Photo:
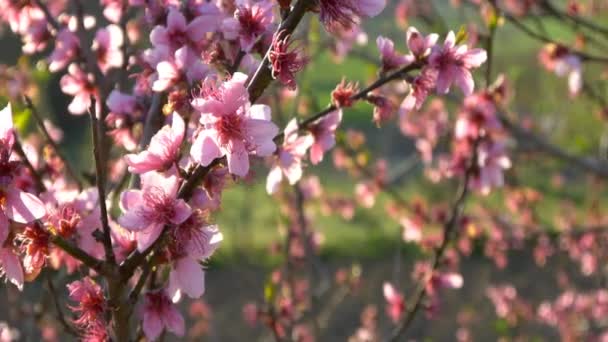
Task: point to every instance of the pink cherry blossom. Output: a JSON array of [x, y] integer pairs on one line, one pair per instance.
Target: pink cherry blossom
[[80, 85], [324, 134], [160, 313], [147, 211], [193, 241], [251, 20], [285, 63], [419, 45], [419, 91], [66, 49], [454, 63], [343, 13], [288, 162], [492, 160], [179, 33], [395, 302], [163, 150], [231, 126], [107, 46], [185, 67], [391, 59]]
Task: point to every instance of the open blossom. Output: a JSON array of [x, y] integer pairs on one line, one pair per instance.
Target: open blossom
[[192, 242], [288, 162], [395, 302], [163, 150], [231, 126], [107, 46], [15, 204], [178, 33], [123, 115], [90, 306], [147, 211], [454, 63], [185, 67], [492, 161], [419, 91], [285, 63], [324, 134], [391, 59], [419, 45], [336, 14], [251, 20], [160, 313], [562, 62], [80, 85], [66, 49]]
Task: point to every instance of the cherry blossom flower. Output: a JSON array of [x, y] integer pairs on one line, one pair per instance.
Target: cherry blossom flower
[[80, 85], [285, 63], [147, 211], [66, 49], [288, 162], [324, 134], [15, 204], [90, 305], [185, 67], [395, 302], [342, 95], [419, 45], [419, 91], [107, 46], [391, 59], [163, 150], [122, 117], [231, 126], [160, 313], [251, 20], [453, 64], [336, 14], [492, 161], [562, 62], [178, 33], [193, 241]]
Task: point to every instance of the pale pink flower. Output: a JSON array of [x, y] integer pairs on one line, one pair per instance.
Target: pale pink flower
[[163, 150], [419, 91], [395, 302], [147, 211], [231, 126], [454, 63], [492, 160], [477, 117], [66, 49], [10, 266], [391, 59], [251, 21], [160, 313], [178, 33], [185, 67], [324, 134], [15, 204], [193, 241], [107, 47], [288, 162], [113, 10], [335, 14], [419, 45], [80, 85]]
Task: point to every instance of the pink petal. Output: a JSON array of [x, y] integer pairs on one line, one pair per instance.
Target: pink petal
[[4, 228], [136, 219], [6, 126], [146, 238], [23, 207], [199, 27], [191, 277], [465, 82], [176, 20], [80, 104], [143, 162], [182, 212], [152, 325], [174, 321], [371, 8], [238, 159], [204, 150], [129, 199], [274, 179], [12, 267]]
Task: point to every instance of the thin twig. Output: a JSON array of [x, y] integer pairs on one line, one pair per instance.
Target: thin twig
[[68, 166], [40, 187]]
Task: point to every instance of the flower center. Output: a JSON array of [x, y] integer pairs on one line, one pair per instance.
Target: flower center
[[229, 128]]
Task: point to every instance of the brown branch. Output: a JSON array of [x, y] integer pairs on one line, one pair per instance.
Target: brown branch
[[594, 166], [99, 179], [448, 230], [68, 166], [574, 18], [93, 263]]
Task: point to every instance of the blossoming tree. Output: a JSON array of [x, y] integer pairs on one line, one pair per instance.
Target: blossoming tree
[[186, 99]]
